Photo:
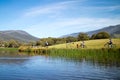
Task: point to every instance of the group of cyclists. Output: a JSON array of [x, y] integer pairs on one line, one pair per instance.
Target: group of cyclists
[[82, 44], [109, 44]]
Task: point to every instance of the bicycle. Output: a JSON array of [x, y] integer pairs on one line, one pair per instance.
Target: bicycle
[[107, 45], [83, 46]]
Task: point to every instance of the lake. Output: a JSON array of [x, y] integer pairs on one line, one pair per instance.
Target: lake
[[25, 66]]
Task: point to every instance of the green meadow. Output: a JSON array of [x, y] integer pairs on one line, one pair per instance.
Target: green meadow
[[91, 44]]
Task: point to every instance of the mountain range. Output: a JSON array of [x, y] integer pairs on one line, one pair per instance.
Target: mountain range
[[18, 35], [114, 31], [23, 36]]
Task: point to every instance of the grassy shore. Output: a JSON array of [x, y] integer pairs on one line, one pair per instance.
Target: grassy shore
[[10, 49], [95, 51], [91, 45]]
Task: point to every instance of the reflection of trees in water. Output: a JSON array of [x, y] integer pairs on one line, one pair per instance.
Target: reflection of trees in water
[[12, 60], [7, 53], [13, 57], [106, 58], [106, 62], [103, 63]]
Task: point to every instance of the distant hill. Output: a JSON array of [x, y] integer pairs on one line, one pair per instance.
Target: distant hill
[[114, 31], [18, 35]]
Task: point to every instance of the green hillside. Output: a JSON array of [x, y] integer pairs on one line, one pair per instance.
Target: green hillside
[[17, 35], [114, 31], [91, 44]]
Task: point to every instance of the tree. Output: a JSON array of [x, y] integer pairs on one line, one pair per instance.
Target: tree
[[50, 41], [6, 44], [71, 39], [13, 43], [93, 36], [32, 43], [83, 36], [37, 43], [102, 35]]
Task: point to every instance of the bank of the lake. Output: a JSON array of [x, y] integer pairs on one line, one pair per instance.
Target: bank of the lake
[[90, 44], [9, 49], [111, 56]]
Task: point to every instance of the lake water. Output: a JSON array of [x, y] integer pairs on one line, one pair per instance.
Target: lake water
[[17, 66]]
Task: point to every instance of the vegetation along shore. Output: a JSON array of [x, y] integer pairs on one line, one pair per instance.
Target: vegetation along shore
[[91, 45]]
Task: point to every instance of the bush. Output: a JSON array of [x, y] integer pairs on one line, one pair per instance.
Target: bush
[[83, 36], [100, 35], [71, 39]]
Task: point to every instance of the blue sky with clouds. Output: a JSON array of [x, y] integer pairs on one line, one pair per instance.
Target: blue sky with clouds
[[54, 18]]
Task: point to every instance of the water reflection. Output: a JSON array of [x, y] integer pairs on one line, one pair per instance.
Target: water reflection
[[30, 66], [13, 57]]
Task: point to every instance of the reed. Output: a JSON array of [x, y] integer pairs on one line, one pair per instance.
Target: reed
[[32, 49], [106, 56], [103, 56]]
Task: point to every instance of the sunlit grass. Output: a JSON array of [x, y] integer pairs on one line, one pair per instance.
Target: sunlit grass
[[91, 44], [9, 49]]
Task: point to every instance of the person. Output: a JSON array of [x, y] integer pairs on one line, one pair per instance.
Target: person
[[46, 44], [110, 43], [77, 45], [83, 44]]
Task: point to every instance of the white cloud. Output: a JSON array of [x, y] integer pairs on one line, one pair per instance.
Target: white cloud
[[66, 26], [106, 8], [49, 9], [39, 25]]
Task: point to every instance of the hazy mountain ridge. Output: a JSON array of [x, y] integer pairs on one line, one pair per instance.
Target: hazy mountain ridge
[[112, 30], [18, 35], [23, 36]]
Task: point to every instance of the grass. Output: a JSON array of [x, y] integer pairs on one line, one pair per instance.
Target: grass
[[94, 52], [91, 44], [10, 49]]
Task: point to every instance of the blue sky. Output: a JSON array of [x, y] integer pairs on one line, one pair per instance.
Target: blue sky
[[54, 18]]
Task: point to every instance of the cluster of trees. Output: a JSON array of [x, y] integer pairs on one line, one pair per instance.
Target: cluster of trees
[[53, 41], [81, 37], [11, 43], [100, 35]]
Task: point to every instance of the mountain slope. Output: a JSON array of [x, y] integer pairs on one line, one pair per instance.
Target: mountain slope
[[112, 30], [18, 35]]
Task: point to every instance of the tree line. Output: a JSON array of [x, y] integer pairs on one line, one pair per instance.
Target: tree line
[[80, 37], [53, 41]]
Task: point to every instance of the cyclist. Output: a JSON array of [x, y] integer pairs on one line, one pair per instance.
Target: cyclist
[[110, 43], [83, 44], [46, 44]]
